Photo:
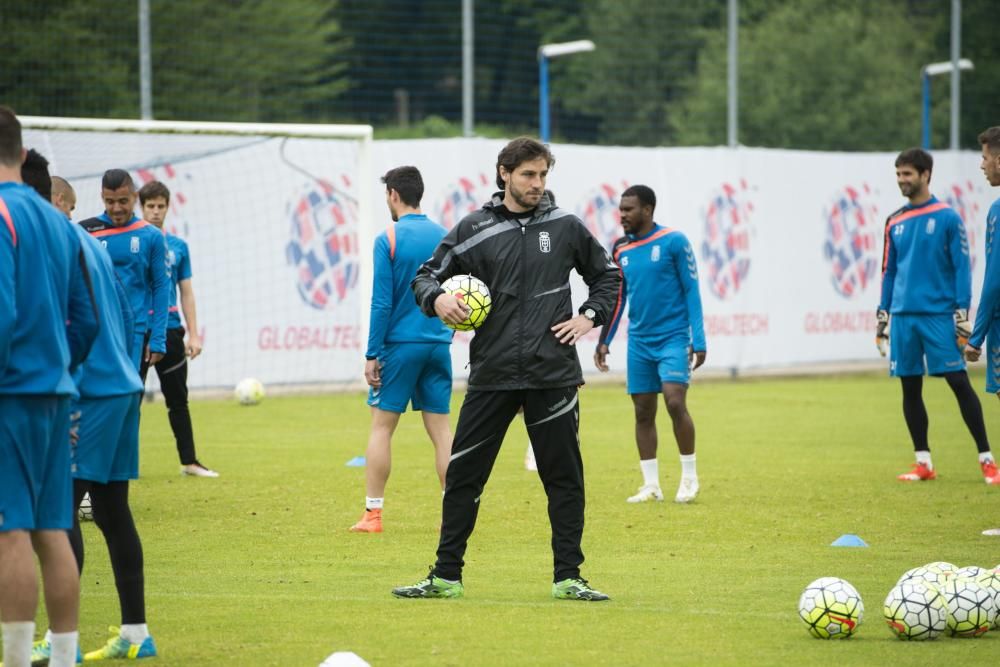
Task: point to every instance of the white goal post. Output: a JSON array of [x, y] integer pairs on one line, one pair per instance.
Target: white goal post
[[279, 218]]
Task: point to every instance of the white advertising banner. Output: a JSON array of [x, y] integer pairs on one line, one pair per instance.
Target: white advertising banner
[[789, 243]]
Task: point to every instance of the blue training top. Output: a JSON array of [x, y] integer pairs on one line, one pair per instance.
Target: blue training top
[[395, 316], [925, 267], [989, 300], [660, 283], [139, 253], [108, 370], [179, 262], [47, 317]]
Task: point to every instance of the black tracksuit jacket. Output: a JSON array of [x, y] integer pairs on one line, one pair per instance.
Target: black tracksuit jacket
[[526, 264]]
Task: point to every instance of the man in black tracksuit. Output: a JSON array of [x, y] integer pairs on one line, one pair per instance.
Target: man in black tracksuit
[[524, 249]]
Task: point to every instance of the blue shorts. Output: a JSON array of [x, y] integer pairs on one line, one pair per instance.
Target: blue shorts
[[649, 366], [36, 490], [108, 447], [992, 356], [417, 373], [914, 337]]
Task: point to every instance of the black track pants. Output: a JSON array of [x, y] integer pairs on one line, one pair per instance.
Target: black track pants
[[553, 418]]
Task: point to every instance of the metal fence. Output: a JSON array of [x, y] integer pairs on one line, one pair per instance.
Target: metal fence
[[812, 74]]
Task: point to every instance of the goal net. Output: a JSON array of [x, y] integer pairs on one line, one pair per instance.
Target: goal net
[[277, 218]]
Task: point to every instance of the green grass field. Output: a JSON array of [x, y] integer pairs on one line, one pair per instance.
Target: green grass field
[[258, 568]]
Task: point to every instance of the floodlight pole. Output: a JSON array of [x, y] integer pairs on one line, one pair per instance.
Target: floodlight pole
[[934, 69], [546, 52], [145, 63]]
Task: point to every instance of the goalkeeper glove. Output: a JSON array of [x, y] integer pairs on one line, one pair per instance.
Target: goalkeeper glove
[[882, 331], [963, 329]]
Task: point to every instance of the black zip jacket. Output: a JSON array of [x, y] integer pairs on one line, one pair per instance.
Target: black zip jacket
[[526, 266]]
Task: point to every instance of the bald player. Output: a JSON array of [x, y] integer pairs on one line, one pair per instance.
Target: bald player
[[63, 196]]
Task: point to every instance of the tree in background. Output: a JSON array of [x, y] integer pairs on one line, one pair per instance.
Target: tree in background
[[815, 74], [259, 60]]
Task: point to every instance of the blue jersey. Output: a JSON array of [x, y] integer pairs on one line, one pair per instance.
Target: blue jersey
[[139, 253], [48, 321], [989, 300], [925, 268], [660, 284], [395, 316], [179, 262], [108, 370]]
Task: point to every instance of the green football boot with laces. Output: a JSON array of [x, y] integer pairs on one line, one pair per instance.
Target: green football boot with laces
[[431, 587], [576, 589]]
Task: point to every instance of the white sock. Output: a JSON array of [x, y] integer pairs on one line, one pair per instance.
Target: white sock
[[373, 503], [135, 633], [924, 456], [17, 638], [63, 648], [985, 456], [688, 466], [650, 472]]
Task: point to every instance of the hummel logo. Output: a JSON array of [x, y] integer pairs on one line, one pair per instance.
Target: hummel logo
[[476, 226], [558, 405]]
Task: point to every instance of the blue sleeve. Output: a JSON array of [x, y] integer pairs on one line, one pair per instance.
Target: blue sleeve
[[378, 323], [958, 248], [183, 268], [128, 317], [161, 292], [617, 311], [687, 269], [8, 302], [82, 326], [888, 272], [989, 299]]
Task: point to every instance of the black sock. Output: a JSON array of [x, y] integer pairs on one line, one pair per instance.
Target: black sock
[[914, 411], [972, 409]]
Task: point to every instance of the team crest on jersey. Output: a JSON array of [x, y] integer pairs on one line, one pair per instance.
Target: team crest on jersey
[[544, 242], [654, 254], [930, 226], [134, 244]]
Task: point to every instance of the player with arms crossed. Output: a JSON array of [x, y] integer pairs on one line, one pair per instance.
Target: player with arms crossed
[[524, 354], [48, 324], [139, 252], [408, 359], [987, 329], [666, 335], [926, 288], [172, 369]]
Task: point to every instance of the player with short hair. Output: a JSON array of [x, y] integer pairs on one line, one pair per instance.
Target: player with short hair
[[408, 360], [666, 335], [172, 369], [926, 289], [987, 328], [48, 323], [524, 249], [139, 252], [63, 196]]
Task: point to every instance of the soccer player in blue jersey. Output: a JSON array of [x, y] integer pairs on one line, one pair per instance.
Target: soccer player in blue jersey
[[666, 335], [408, 360], [48, 323], [139, 252], [987, 329], [172, 369], [105, 452], [926, 289]]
